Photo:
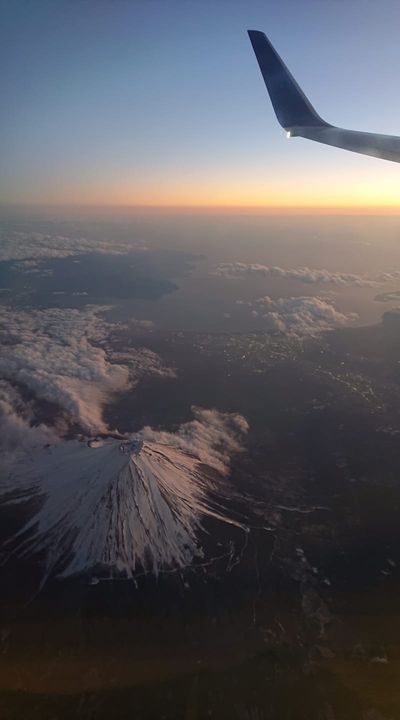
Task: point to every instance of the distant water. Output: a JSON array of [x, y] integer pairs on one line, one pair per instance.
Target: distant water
[[180, 291]]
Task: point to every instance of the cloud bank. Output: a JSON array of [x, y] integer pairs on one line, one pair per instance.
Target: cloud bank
[[65, 357], [28, 248], [304, 275]]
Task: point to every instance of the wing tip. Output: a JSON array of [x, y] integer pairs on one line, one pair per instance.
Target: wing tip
[[256, 34], [292, 107]]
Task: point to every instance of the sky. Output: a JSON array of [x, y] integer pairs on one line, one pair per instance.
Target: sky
[[161, 103]]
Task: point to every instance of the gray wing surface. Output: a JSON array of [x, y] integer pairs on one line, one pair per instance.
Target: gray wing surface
[[298, 117]]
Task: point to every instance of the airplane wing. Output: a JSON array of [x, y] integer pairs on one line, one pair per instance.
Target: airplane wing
[[298, 117]]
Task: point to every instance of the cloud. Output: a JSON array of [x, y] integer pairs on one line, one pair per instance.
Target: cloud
[[298, 316], [392, 317], [388, 297], [107, 505], [17, 435], [388, 276], [304, 275], [29, 249], [211, 437], [65, 357]]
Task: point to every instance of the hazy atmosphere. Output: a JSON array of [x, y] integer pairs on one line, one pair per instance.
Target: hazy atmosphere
[[199, 365]]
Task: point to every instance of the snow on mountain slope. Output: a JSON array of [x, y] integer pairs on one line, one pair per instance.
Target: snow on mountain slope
[[132, 505]]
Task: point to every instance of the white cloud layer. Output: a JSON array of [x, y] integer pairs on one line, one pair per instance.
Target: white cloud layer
[[29, 248], [107, 505], [65, 357], [17, 435], [298, 316], [304, 275]]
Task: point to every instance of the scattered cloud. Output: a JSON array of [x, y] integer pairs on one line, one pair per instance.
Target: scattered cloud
[[298, 316]]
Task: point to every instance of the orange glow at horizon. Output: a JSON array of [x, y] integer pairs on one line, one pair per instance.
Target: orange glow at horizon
[[372, 186], [267, 198]]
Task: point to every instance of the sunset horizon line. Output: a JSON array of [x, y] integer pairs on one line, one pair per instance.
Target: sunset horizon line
[[212, 209]]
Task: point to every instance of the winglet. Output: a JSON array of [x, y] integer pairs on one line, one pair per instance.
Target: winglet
[[291, 106]]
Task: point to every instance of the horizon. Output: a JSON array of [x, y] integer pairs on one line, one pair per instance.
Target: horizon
[[327, 210]]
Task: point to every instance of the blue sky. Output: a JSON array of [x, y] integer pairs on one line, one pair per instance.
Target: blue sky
[[160, 102]]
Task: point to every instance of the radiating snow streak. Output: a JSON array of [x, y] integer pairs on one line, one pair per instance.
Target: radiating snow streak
[[105, 507]]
